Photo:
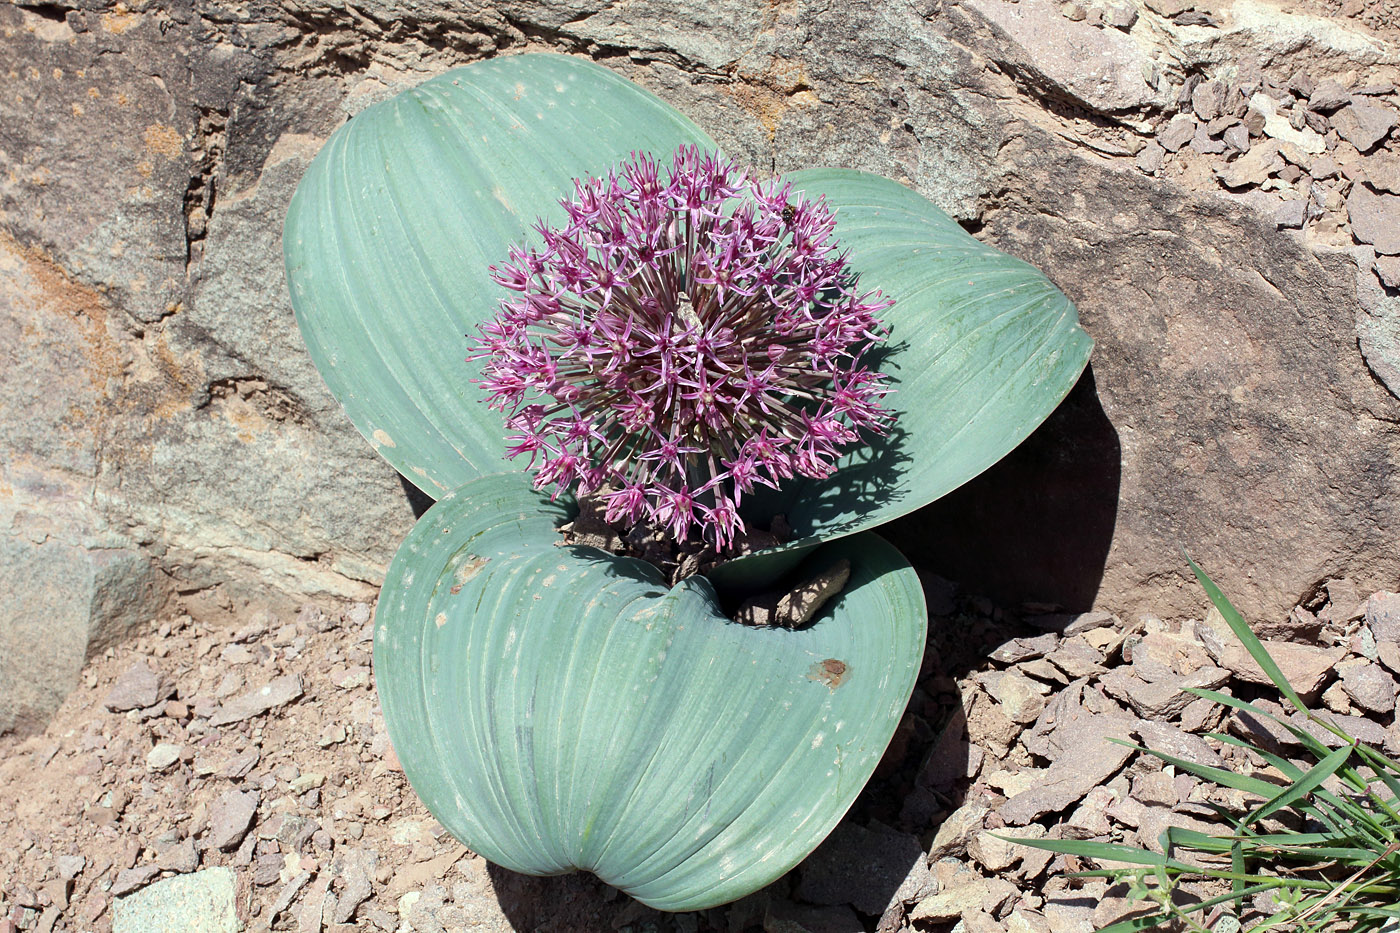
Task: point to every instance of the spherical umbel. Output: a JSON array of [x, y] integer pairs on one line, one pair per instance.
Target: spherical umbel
[[683, 338]]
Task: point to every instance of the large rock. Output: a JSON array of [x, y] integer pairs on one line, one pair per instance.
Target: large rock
[[202, 902], [166, 432], [73, 580]]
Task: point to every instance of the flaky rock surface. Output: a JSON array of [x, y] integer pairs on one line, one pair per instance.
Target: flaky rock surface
[[167, 435]]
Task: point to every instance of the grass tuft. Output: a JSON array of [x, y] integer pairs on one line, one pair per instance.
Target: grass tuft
[[1339, 872]]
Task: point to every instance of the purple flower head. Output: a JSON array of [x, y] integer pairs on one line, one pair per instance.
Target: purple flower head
[[681, 340]]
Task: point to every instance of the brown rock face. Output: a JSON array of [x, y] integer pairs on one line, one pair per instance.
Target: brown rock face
[[165, 430]]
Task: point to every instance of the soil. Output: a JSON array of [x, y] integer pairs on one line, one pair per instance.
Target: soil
[[298, 791]]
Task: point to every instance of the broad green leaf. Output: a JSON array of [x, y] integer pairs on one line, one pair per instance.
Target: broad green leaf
[[982, 347], [391, 232], [562, 708]]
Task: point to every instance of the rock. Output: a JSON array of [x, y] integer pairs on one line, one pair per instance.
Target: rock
[[1237, 138], [1328, 96], [951, 758], [1068, 779], [1121, 16], [277, 692], [162, 756], [1252, 168], [1209, 99], [1388, 271], [203, 902], [955, 831], [1364, 125], [1291, 214], [355, 870], [1375, 219], [1151, 157], [1266, 731], [267, 869], [989, 726], [1099, 69], [1021, 698], [1360, 728], [1023, 649], [138, 688], [1069, 624], [867, 868], [312, 913], [1161, 699], [1302, 84], [1277, 126], [178, 857], [1090, 818], [1382, 171], [235, 654], [70, 866], [230, 818], [288, 894], [1389, 654], [1344, 602], [964, 893], [1177, 133], [1077, 658], [1155, 788], [1012, 783], [1336, 699], [1204, 143], [1383, 617], [1155, 820], [1169, 740], [1305, 667], [1369, 687], [995, 853], [131, 879]]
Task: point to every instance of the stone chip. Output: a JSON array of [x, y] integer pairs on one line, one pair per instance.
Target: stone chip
[[1375, 219], [1069, 778], [1327, 96], [277, 692], [1369, 687], [1364, 124], [230, 817], [138, 688]]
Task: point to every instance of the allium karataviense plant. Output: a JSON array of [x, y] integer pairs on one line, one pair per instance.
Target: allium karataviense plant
[[685, 334], [563, 708]]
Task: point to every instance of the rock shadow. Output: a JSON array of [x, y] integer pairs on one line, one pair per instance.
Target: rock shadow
[[1035, 526]]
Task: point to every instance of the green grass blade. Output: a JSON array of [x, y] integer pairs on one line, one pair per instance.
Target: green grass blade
[[1101, 850], [1246, 635], [1302, 787], [1219, 776], [1148, 922]]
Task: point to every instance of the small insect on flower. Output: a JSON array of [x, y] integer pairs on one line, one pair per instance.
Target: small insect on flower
[[683, 338]]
